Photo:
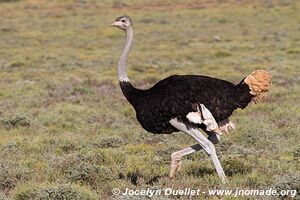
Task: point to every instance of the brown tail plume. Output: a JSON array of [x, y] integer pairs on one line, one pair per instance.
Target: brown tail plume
[[259, 83]]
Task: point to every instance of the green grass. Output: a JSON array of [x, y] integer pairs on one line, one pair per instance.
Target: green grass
[[65, 126]]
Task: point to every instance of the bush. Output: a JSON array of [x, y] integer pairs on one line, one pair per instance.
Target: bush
[[11, 175], [88, 169], [144, 169], [88, 173], [236, 166], [197, 169], [54, 192], [14, 122], [65, 146], [11, 146], [112, 142], [288, 182]]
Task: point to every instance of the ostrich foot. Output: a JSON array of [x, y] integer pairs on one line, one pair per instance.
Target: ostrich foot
[[175, 166]]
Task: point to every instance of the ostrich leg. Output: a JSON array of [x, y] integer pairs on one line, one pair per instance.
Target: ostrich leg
[[176, 156], [207, 145]]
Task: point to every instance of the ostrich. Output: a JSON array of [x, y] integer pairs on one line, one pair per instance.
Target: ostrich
[[188, 103]]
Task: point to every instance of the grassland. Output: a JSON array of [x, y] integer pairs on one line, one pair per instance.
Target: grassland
[[66, 130]]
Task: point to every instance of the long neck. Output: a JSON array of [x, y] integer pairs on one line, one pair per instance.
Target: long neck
[[131, 93], [122, 74]]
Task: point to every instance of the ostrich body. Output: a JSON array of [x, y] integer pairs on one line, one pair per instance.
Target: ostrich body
[[189, 102]]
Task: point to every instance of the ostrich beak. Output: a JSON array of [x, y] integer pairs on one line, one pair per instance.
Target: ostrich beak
[[115, 24]]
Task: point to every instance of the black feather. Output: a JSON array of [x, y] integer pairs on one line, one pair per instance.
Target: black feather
[[176, 96]]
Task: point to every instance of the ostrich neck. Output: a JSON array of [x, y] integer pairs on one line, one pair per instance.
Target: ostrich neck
[[122, 74], [131, 93]]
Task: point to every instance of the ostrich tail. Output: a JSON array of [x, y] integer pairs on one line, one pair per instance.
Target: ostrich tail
[[259, 83]]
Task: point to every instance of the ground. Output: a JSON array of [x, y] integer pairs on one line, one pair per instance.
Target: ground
[[66, 129]]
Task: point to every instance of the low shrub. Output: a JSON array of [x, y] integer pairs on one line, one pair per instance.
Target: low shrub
[[144, 169], [196, 169], [234, 166], [10, 175], [88, 173], [88, 169], [288, 182], [54, 192], [14, 122], [112, 142]]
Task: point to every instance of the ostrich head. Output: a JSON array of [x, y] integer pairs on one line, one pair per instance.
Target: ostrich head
[[122, 22]]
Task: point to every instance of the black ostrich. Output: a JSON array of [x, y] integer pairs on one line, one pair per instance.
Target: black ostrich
[[189, 102]]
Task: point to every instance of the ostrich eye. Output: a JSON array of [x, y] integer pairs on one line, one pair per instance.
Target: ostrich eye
[[123, 20]]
